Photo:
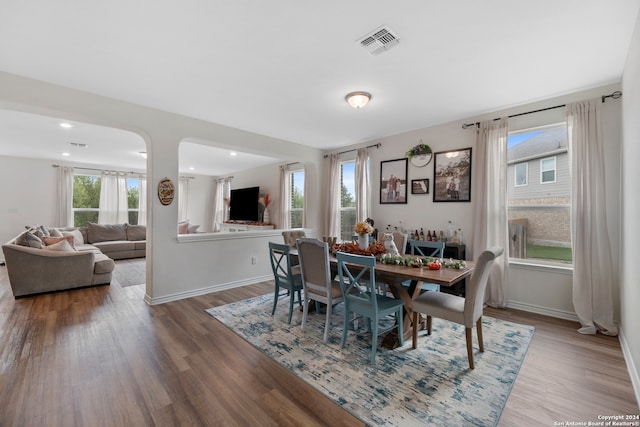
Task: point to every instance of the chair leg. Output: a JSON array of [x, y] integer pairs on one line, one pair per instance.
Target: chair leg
[[305, 312], [429, 320], [469, 346], [327, 324], [275, 300], [374, 340], [292, 298], [479, 329], [345, 327], [400, 326], [416, 317]]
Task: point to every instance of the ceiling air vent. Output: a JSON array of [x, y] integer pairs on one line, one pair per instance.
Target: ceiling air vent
[[379, 40]]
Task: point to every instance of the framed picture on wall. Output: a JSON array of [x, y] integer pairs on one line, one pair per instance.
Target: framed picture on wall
[[452, 176], [420, 186], [393, 181]]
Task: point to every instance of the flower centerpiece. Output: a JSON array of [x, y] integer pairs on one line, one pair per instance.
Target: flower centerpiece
[[363, 229], [419, 150]]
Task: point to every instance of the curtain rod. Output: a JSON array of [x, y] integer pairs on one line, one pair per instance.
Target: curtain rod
[[102, 170], [355, 149], [615, 95]]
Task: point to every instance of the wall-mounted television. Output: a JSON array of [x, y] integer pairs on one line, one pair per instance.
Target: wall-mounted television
[[243, 205]]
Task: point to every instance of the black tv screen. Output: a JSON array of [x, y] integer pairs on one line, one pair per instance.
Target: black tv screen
[[244, 204]]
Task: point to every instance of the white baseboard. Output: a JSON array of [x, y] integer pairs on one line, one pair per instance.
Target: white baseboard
[[552, 312], [207, 290], [631, 366]]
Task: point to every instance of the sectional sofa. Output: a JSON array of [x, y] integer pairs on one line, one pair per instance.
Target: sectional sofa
[[45, 259]]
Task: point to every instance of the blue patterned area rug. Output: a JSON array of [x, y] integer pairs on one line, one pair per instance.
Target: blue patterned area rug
[[431, 385]]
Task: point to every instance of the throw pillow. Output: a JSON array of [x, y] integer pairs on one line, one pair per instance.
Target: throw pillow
[[183, 227], [78, 238], [55, 232], [29, 239], [61, 246], [192, 229], [53, 240]]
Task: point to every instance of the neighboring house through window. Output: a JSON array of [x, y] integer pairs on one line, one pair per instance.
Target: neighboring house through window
[[539, 195], [521, 173]]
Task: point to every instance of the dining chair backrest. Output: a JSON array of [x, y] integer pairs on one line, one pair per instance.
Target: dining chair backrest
[[281, 263], [316, 268], [291, 236], [357, 279], [425, 248], [475, 288]]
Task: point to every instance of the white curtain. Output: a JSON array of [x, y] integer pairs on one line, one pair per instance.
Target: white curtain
[[221, 198], [333, 195], [183, 198], [592, 264], [363, 190], [142, 201], [284, 217], [114, 207], [64, 196], [489, 203]]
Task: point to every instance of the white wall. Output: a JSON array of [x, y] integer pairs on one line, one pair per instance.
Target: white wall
[[200, 204], [544, 290], [27, 195], [630, 274]]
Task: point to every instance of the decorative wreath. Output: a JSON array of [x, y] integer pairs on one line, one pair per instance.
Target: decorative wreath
[[419, 150]]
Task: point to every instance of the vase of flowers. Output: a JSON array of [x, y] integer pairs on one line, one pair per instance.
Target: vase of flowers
[[363, 230]]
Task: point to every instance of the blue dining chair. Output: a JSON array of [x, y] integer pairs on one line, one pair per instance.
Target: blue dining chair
[[281, 265], [358, 283], [429, 249]]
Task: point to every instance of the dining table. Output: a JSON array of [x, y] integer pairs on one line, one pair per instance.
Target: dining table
[[396, 275]]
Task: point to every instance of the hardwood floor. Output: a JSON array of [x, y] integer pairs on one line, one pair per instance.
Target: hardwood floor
[[101, 356]]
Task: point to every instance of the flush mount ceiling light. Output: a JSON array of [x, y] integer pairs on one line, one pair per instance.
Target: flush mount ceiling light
[[66, 125], [358, 99]]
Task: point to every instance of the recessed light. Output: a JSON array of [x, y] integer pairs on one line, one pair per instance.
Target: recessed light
[[66, 154], [191, 168], [143, 154], [66, 125], [233, 153]]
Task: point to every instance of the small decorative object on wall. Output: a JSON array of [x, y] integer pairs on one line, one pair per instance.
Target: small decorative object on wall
[[420, 186], [393, 181], [452, 176], [420, 155], [166, 191]]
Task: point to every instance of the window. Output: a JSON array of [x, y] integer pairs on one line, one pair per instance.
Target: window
[[347, 199], [539, 211], [522, 172], [296, 198], [548, 170], [86, 199]]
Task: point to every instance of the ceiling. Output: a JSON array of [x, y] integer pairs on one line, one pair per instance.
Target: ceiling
[[282, 68]]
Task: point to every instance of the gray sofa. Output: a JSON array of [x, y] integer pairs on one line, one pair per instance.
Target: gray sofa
[[33, 267]]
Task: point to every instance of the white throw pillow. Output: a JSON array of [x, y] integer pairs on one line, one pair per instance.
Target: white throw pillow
[[77, 236]]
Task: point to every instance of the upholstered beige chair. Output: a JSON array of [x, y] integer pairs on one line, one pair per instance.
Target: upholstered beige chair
[[466, 310], [317, 282], [291, 236]]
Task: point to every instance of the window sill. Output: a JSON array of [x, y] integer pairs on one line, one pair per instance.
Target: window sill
[[532, 265]]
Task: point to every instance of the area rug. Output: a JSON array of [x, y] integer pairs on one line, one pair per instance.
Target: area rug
[[431, 385]]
